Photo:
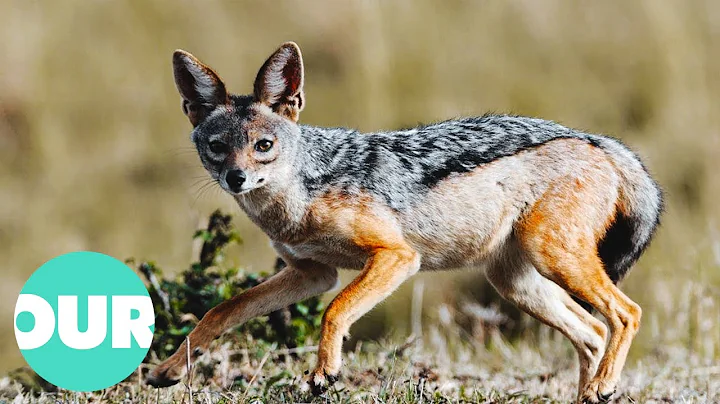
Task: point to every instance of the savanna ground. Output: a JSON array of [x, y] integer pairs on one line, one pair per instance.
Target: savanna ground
[[442, 368], [461, 355], [94, 155]]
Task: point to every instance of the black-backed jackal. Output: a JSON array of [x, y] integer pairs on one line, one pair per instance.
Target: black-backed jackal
[[553, 214]]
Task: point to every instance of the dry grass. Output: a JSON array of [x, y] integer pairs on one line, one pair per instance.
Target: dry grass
[[446, 366], [94, 150]]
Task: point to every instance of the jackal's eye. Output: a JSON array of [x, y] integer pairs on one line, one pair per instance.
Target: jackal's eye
[[218, 147], [263, 145]]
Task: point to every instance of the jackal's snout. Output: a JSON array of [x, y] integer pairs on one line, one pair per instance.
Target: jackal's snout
[[235, 179]]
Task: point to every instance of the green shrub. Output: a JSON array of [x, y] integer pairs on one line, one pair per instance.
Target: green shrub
[[207, 282]]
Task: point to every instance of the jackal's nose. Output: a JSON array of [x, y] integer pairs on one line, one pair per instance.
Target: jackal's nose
[[235, 179]]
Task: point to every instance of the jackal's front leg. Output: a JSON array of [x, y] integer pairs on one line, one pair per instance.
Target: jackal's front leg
[[296, 282], [383, 273]]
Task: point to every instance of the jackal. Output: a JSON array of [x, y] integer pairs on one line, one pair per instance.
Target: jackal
[[555, 216]]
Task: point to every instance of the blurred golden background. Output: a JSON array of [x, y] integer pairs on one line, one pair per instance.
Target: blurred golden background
[[95, 153]]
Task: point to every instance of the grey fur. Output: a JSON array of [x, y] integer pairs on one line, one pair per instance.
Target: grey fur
[[401, 166]]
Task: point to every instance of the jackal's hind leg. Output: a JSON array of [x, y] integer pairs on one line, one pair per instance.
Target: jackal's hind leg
[[518, 281], [560, 235], [623, 316]]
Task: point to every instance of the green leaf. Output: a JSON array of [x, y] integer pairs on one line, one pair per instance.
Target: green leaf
[[302, 309]]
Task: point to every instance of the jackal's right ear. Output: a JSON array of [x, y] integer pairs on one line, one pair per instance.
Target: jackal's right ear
[[200, 87]]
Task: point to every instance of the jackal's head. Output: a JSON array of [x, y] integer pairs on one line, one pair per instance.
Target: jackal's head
[[245, 141]]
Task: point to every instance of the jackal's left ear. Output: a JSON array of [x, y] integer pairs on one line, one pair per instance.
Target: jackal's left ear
[[200, 87], [279, 83]]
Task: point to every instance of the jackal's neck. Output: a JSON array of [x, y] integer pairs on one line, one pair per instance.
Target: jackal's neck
[[279, 210], [325, 153]]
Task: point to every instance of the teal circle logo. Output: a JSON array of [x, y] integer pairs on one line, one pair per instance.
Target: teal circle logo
[[84, 321]]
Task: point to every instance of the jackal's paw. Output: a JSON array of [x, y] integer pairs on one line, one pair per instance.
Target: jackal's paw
[[319, 381], [166, 374], [597, 391]]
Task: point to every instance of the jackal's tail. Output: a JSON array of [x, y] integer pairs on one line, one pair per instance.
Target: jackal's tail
[[638, 212], [637, 216]]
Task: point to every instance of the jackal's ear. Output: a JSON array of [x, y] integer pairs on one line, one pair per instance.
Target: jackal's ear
[[279, 83], [200, 87]]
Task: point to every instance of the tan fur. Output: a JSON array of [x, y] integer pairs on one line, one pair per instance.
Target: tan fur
[[515, 278], [391, 261], [563, 249]]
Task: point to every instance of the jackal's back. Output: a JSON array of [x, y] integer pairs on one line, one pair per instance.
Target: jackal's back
[[402, 165]]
